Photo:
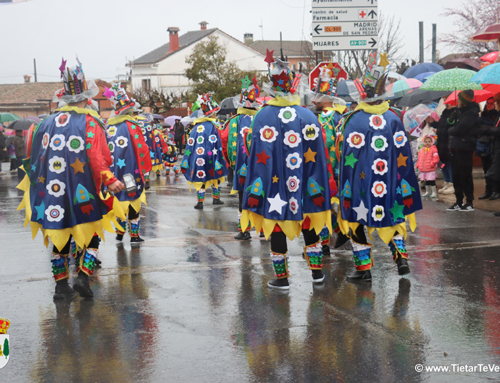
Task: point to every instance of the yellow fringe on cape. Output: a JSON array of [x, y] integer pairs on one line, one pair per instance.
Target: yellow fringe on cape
[[198, 185], [385, 233], [82, 233], [67, 108], [246, 111], [157, 168], [282, 101], [291, 229], [136, 205], [119, 119], [373, 109], [203, 119]]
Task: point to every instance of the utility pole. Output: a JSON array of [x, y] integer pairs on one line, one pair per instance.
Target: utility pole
[[421, 33], [434, 41], [34, 65]]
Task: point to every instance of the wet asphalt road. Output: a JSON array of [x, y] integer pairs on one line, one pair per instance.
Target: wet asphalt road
[[192, 305]]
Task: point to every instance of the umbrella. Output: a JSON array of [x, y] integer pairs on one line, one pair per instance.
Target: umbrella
[[422, 68], [420, 96], [479, 96], [42, 116], [22, 124], [489, 57], [422, 77], [463, 62], [414, 117], [396, 76], [36, 119], [187, 120], [6, 117], [451, 80], [401, 87], [488, 75], [489, 33], [343, 90], [170, 120], [229, 103], [158, 117]]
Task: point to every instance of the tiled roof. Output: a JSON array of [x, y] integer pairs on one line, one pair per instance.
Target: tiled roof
[[290, 48], [162, 52], [28, 92]]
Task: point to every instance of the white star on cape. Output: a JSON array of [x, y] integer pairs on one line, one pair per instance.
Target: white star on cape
[[362, 211], [214, 152], [276, 203]]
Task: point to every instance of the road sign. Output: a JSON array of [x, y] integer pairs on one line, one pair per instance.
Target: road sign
[[344, 25], [313, 76]]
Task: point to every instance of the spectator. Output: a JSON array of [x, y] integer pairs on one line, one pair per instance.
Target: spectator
[[444, 149], [179, 135], [483, 150], [20, 151], [428, 160], [3, 150], [463, 137], [494, 170]]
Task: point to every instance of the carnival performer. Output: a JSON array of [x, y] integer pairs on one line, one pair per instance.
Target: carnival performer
[[68, 162], [330, 110], [203, 164], [131, 160], [378, 186], [146, 122], [287, 186], [234, 148]]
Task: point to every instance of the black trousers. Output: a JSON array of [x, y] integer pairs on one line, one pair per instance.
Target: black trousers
[[178, 143], [279, 245], [486, 162], [463, 183]]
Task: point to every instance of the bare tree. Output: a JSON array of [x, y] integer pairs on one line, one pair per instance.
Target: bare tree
[[471, 16]]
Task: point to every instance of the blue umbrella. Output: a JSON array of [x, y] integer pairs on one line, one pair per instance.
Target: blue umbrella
[[424, 76], [487, 75], [422, 68]]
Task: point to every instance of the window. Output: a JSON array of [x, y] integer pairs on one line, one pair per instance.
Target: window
[[146, 85]]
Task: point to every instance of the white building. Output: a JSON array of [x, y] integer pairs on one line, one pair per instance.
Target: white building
[[163, 68]]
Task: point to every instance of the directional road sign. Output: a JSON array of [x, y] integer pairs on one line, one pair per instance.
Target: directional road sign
[[344, 25]]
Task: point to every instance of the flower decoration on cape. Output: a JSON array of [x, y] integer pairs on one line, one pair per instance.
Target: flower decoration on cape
[[292, 139], [58, 142], [310, 132], [377, 121], [356, 140], [379, 143], [57, 165], [287, 114], [75, 144], [293, 205], [293, 161], [56, 188], [54, 213], [268, 133], [293, 184], [122, 142], [400, 139]]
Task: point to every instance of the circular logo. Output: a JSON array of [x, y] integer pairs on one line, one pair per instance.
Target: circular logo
[[379, 189], [268, 134], [62, 119], [57, 142], [293, 184], [292, 139], [191, 141], [377, 122], [200, 151], [399, 139], [112, 131], [45, 140], [310, 132], [121, 142], [356, 140], [200, 140], [212, 138], [293, 204], [380, 166], [378, 213], [111, 146], [379, 143]]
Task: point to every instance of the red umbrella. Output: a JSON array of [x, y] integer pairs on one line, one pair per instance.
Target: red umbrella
[[479, 96], [490, 57], [487, 34]]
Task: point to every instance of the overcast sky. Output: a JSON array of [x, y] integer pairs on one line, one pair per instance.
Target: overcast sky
[[106, 33]]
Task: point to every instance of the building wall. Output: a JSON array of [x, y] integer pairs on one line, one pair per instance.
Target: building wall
[[168, 74]]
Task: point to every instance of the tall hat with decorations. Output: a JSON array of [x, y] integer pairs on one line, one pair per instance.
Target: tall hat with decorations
[[249, 93], [207, 105], [76, 87], [122, 103], [284, 81], [326, 88], [372, 86]]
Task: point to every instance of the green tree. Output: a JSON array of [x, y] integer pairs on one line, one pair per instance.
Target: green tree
[[210, 72], [6, 348]]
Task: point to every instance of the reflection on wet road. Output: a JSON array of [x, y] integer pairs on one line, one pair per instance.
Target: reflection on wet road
[[192, 305]]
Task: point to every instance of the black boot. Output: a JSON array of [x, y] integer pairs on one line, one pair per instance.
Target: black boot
[[318, 276], [494, 196], [119, 237], [136, 240], [360, 276], [341, 240], [199, 206], [218, 202], [326, 250], [97, 263], [63, 290], [262, 237], [82, 285], [146, 185], [280, 284], [403, 267], [243, 236], [486, 195]]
